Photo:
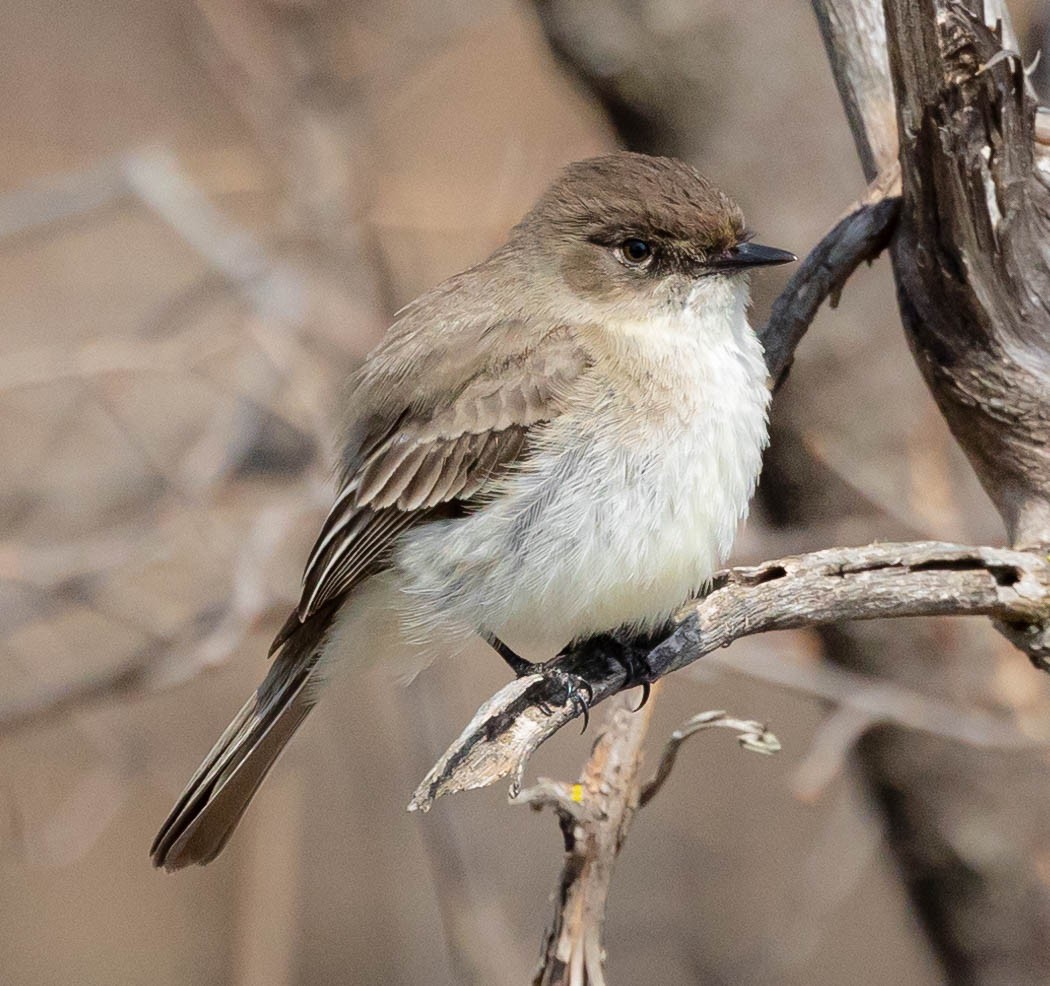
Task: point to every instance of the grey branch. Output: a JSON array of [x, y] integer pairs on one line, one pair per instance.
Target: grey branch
[[595, 816], [51, 704], [854, 35], [861, 235], [972, 251], [923, 578], [753, 736]]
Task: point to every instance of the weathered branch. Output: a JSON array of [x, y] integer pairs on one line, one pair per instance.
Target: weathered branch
[[753, 736], [922, 578], [595, 815], [854, 35], [972, 252]]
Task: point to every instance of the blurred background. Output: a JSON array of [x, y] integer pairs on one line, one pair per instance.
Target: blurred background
[[208, 213]]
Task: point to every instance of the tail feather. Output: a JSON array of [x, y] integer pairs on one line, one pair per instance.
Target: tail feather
[[206, 813]]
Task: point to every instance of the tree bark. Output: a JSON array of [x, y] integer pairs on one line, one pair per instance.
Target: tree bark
[[972, 252]]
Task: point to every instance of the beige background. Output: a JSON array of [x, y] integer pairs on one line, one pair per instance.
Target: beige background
[[253, 188]]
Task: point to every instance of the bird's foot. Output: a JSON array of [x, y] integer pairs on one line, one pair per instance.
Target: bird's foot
[[560, 687], [630, 655]]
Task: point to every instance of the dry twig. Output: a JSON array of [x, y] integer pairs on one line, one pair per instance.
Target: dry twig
[[860, 236], [595, 815]]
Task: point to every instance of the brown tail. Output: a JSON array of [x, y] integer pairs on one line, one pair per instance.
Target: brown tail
[[209, 809]]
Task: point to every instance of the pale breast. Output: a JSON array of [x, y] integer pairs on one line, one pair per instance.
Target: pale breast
[[621, 513]]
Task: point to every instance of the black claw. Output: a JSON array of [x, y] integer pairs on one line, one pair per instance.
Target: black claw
[[572, 686], [646, 689], [580, 704], [635, 665], [572, 690]]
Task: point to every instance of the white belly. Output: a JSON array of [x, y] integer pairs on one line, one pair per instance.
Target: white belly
[[603, 528]]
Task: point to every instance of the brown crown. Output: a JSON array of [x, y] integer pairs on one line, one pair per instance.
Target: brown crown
[[629, 194]]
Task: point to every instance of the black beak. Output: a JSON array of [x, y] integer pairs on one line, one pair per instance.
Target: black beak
[[751, 255]]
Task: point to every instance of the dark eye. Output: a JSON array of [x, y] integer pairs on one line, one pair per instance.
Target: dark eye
[[635, 252]]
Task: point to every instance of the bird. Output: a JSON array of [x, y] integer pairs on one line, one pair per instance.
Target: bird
[[559, 441]]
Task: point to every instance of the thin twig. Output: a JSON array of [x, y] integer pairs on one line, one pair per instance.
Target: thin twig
[[878, 699], [754, 736], [595, 815]]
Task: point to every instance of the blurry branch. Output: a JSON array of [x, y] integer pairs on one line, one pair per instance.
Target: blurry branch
[[923, 578], [205, 642], [275, 293], [274, 62], [63, 197], [862, 702], [159, 664], [595, 816], [43, 365], [274, 290], [269, 61], [152, 175], [53, 703], [481, 941]]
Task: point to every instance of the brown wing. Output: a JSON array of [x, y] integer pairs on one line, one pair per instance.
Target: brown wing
[[431, 459]]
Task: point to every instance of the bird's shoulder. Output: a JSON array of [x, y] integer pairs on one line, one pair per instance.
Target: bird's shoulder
[[447, 371], [437, 417]]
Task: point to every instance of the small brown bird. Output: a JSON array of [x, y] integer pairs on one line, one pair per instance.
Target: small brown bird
[[557, 442]]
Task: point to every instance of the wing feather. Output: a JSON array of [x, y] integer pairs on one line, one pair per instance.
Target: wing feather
[[450, 481], [412, 460], [428, 473]]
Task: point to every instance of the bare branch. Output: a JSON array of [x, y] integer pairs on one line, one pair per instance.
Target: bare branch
[[63, 197], [854, 35], [923, 578], [861, 235], [879, 700], [754, 736], [971, 255], [595, 816], [52, 703]]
